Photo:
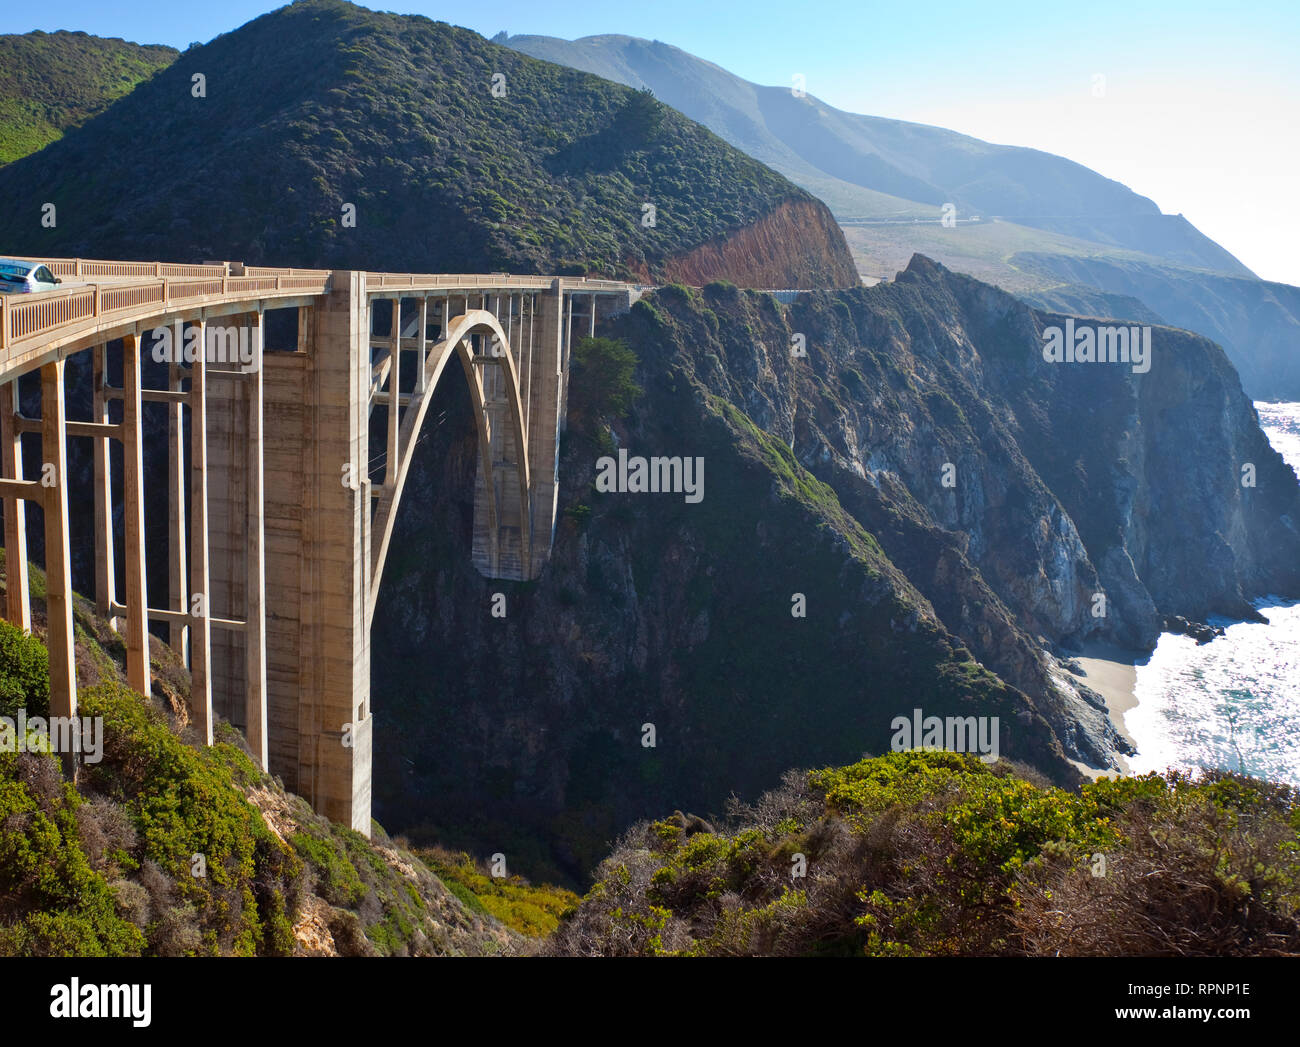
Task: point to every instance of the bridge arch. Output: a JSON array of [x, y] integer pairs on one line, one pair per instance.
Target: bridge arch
[[458, 340]]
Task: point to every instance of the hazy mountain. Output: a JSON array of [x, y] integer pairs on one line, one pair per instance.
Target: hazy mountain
[[1256, 321], [857, 163], [1048, 227], [52, 81]]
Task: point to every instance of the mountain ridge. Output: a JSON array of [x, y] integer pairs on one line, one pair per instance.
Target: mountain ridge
[[1112, 240], [50, 82], [913, 162]]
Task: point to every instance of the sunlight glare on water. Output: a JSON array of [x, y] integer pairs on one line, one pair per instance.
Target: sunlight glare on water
[[1233, 703]]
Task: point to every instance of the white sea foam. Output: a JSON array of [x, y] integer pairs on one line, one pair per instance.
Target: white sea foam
[[1233, 703]]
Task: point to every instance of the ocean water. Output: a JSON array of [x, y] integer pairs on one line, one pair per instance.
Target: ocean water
[[1233, 703]]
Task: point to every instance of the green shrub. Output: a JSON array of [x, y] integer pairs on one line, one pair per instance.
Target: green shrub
[[532, 910], [24, 673], [937, 853], [336, 878], [195, 824], [52, 903]]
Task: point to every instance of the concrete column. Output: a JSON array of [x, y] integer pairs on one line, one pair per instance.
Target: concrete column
[[566, 353], [287, 439], [334, 728], [228, 516], [17, 597], [200, 627], [526, 376], [178, 595], [424, 344], [105, 565], [394, 391], [546, 386], [137, 607], [255, 721], [60, 637]]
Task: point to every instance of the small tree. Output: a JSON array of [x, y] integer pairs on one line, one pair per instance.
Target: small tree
[[641, 116], [601, 385]]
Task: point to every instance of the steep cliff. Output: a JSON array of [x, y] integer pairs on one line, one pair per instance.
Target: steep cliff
[[824, 475], [796, 245], [1256, 321], [1096, 465]]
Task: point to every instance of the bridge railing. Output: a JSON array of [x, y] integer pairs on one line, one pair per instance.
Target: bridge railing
[[26, 317], [439, 281], [143, 286], [90, 267], [452, 281], [266, 270]]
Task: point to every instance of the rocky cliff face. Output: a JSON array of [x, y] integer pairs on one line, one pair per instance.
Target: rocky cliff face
[[825, 475], [1071, 478], [1256, 321], [796, 245]]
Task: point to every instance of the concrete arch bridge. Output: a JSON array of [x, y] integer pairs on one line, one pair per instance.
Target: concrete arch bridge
[[279, 510]]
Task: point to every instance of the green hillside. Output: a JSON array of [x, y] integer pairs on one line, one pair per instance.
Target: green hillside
[[323, 134], [50, 82]]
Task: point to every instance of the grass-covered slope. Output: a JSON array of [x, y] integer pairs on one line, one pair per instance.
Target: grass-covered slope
[[456, 155], [165, 848], [938, 854], [50, 82]]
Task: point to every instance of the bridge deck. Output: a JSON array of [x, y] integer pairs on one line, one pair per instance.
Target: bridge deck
[[105, 297]]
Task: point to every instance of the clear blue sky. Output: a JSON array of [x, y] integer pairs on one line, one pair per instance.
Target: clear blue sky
[[1200, 111]]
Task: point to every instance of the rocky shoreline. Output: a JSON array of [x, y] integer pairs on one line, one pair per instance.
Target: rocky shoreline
[[1198, 631]]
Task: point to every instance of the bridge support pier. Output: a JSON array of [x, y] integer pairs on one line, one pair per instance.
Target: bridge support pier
[[200, 628], [58, 559], [235, 430], [255, 703], [137, 607], [317, 511], [17, 595], [547, 381], [105, 557], [177, 582]]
